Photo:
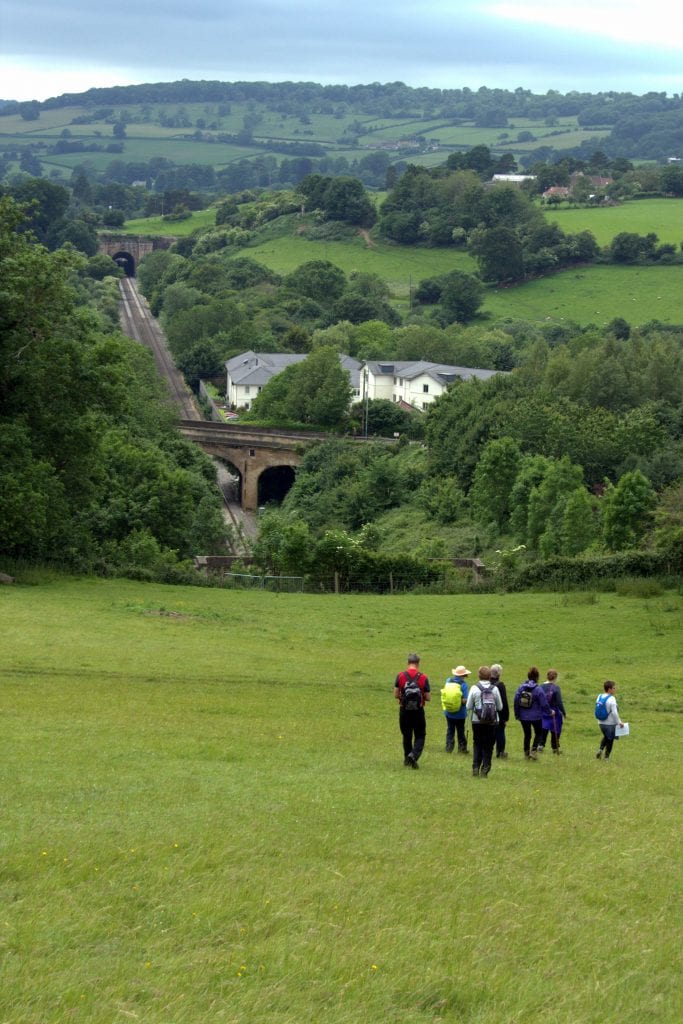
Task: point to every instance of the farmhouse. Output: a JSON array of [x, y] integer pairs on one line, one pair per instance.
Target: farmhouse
[[413, 384], [249, 372]]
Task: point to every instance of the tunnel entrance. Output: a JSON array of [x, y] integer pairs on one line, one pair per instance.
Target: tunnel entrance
[[126, 262], [275, 483], [229, 480]]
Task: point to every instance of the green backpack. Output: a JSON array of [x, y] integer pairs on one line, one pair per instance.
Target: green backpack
[[451, 696]]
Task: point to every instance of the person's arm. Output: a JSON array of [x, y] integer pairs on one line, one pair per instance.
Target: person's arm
[[427, 693], [616, 710], [397, 689], [560, 703], [498, 699]]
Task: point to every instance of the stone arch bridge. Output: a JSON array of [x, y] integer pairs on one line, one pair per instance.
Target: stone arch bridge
[[128, 250], [266, 460]]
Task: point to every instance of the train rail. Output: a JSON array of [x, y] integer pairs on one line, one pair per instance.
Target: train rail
[[138, 323]]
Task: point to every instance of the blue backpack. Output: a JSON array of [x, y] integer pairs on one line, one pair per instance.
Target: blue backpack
[[601, 712]]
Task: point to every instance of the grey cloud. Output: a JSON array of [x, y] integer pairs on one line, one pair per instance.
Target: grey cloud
[[433, 44]]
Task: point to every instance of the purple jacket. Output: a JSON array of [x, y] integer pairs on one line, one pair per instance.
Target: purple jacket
[[539, 703]]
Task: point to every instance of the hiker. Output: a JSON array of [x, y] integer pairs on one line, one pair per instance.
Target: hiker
[[485, 703], [504, 716], [454, 704], [530, 705], [411, 690], [609, 723], [553, 722]]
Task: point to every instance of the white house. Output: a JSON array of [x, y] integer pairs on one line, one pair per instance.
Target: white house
[[247, 373], [414, 383]]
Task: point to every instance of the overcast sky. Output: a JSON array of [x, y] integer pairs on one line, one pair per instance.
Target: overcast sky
[[48, 48]]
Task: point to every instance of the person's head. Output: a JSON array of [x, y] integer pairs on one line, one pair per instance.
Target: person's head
[[533, 674], [609, 686], [484, 672], [413, 659], [461, 672], [552, 675], [496, 671]]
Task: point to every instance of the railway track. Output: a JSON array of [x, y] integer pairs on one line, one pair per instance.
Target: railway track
[[138, 323]]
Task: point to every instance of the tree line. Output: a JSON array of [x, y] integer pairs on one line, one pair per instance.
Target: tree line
[[93, 475]]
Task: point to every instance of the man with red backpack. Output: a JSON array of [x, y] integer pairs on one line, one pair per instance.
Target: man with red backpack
[[411, 690]]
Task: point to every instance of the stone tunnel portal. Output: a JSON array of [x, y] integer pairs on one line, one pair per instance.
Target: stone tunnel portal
[[126, 261], [274, 483]]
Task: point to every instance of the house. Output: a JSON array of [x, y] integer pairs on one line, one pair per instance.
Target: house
[[557, 191], [246, 374], [414, 384]]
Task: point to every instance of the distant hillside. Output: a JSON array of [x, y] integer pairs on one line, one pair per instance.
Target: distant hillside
[[392, 116]]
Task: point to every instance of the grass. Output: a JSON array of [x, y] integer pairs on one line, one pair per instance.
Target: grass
[[206, 816], [397, 265], [158, 226], [595, 295], [663, 216]]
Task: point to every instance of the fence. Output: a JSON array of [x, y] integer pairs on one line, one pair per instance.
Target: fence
[[274, 584]]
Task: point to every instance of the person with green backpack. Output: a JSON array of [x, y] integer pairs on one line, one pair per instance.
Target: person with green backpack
[[454, 704]]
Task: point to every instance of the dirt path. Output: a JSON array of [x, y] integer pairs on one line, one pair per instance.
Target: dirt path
[[366, 235]]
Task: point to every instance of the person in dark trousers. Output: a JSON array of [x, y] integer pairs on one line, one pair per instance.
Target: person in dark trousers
[[483, 732], [411, 715], [530, 706], [553, 723], [504, 716], [609, 725], [454, 693]]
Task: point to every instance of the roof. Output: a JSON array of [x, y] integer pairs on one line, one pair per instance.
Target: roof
[[443, 373], [257, 368]]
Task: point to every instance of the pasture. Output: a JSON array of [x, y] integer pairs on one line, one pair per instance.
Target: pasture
[[594, 295], [207, 818], [663, 216]]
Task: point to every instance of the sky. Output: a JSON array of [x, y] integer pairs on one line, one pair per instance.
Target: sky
[[49, 48]]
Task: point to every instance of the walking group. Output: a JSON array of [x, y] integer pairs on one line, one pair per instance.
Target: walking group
[[538, 707]]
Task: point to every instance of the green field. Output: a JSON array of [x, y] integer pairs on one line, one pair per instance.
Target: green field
[[206, 815], [156, 226], [663, 216], [594, 295], [147, 137], [398, 265]]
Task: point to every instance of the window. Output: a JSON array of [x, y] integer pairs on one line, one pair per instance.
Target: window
[[425, 405], [425, 388], [246, 389]]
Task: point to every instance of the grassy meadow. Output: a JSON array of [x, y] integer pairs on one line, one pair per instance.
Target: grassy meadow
[[206, 816], [663, 216], [592, 294]]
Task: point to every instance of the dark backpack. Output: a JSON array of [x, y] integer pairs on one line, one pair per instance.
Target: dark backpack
[[551, 694], [487, 710], [601, 712], [526, 696], [411, 694]]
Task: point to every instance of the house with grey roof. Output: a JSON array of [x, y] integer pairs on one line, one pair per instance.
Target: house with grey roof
[[415, 383], [249, 372]]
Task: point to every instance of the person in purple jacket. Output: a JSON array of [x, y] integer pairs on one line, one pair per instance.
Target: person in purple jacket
[[531, 706]]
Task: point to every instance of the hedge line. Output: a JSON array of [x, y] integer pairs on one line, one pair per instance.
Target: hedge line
[[564, 571]]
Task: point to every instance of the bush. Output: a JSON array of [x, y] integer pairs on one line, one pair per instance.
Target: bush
[[564, 572]]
